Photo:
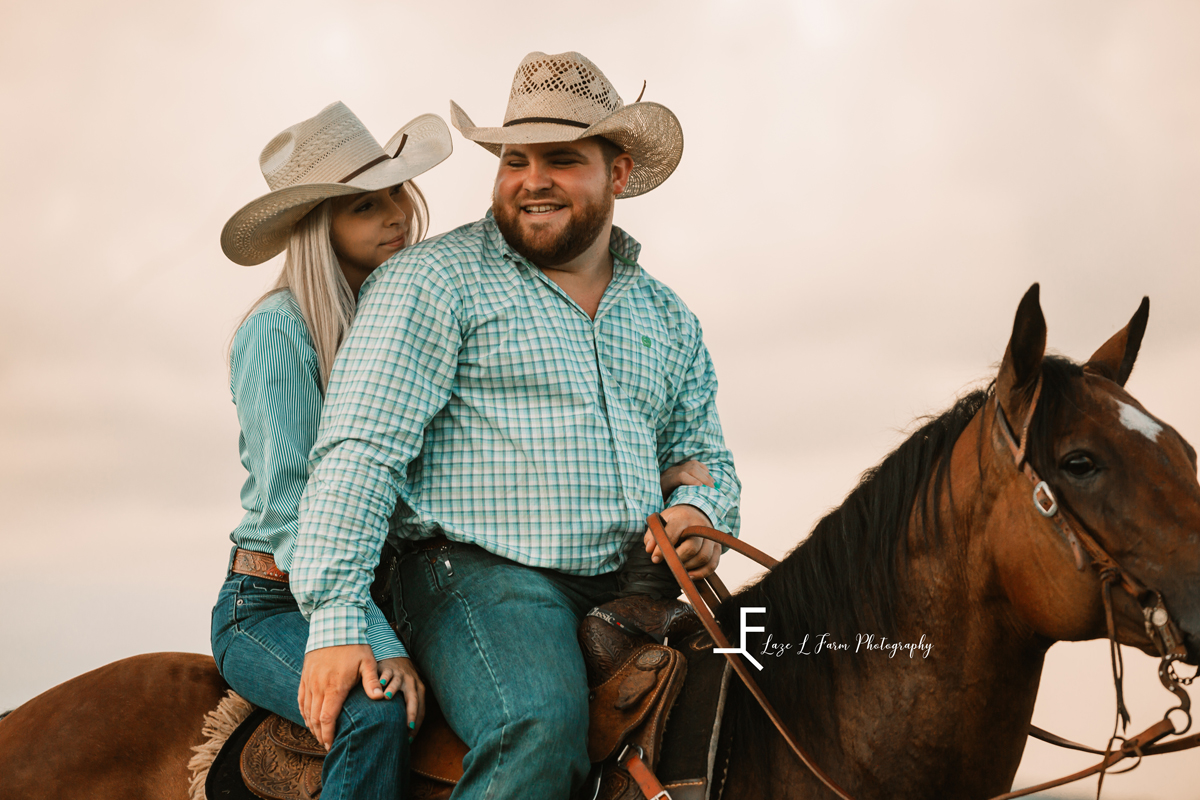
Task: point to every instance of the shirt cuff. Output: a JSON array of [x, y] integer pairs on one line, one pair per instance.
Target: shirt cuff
[[711, 501], [331, 626], [383, 640]]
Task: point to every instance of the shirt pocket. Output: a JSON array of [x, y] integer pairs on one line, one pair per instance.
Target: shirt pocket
[[636, 360]]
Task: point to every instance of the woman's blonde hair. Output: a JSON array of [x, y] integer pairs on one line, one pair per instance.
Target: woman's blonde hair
[[312, 273]]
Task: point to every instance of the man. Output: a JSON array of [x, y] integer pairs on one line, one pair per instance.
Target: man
[[508, 396]]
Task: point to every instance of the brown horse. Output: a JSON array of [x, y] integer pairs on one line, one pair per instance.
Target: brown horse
[[940, 544]]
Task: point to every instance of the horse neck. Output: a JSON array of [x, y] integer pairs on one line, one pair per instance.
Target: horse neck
[[971, 703], [953, 723]]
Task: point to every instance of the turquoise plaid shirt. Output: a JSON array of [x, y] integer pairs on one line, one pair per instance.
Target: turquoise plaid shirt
[[474, 398]]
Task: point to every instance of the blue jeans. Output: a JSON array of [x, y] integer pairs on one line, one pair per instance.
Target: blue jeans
[[258, 640], [497, 642]]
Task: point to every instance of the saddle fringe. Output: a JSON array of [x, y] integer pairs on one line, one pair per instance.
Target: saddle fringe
[[218, 725]]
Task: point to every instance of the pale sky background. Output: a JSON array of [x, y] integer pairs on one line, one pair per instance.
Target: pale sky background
[[867, 189]]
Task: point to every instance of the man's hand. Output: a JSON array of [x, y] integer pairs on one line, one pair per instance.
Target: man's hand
[[689, 473], [400, 675], [699, 556], [328, 676]]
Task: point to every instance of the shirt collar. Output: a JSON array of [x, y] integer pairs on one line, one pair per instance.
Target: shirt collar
[[624, 247]]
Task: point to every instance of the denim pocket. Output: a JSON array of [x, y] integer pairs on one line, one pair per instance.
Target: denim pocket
[[257, 598], [253, 583]]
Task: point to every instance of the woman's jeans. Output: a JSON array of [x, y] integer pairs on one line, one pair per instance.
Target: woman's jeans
[[497, 642], [258, 639]]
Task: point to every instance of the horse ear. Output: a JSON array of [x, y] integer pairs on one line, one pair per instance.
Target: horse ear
[[1115, 357], [1023, 359]]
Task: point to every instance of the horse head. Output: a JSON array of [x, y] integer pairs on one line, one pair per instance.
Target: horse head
[[1114, 475]]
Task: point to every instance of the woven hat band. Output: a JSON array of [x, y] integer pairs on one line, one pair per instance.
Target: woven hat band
[[553, 120]]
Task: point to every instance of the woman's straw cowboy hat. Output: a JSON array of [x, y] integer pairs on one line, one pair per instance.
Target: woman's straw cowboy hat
[[330, 155], [565, 97]]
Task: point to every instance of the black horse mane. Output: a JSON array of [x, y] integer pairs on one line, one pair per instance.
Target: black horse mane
[[843, 579]]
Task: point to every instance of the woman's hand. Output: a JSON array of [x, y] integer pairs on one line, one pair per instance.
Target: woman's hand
[[399, 675], [689, 473]]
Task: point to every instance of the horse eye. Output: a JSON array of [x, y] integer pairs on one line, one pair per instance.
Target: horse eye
[[1078, 465]]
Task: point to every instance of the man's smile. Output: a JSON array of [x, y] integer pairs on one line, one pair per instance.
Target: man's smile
[[541, 210]]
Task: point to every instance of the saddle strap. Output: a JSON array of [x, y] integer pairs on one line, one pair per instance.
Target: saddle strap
[[651, 788], [658, 530]]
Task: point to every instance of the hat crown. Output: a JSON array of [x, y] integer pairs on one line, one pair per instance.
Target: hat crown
[[324, 149], [563, 86]]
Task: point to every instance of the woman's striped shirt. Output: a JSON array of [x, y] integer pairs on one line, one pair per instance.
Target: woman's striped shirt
[[274, 378]]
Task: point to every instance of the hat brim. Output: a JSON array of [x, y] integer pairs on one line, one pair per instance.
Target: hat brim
[[259, 231], [649, 132]]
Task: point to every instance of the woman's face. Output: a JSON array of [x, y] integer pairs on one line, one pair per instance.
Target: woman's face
[[368, 229]]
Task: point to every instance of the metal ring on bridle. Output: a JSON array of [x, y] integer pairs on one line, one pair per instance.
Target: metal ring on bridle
[[1044, 488], [1178, 730]]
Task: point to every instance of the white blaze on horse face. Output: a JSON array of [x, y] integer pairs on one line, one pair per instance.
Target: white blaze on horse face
[[1140, 421]]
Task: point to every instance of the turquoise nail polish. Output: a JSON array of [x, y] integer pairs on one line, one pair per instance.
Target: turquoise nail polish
[[716, 484], [412, 726], [410, 740], [383, 681], [388, 695]]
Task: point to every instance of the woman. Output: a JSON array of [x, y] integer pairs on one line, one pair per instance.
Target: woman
[[340, 205]]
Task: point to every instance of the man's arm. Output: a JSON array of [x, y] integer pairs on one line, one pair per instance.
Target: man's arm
[[393, 374], [693, 433]]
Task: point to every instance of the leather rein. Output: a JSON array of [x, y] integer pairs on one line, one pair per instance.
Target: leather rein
[[709, 593]]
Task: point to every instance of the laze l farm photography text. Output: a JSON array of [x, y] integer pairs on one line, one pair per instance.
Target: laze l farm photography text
[[815, 644]]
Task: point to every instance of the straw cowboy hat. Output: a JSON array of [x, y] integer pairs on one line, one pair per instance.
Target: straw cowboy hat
[[330, 155], [565, 97]]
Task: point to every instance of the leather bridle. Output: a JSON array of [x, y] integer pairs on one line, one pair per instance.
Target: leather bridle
[[706, 595], [1160, 627]]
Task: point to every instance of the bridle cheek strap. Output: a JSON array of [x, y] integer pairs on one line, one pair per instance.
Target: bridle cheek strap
[[1043, 497]]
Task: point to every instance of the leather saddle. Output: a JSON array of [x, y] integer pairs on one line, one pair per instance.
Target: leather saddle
[[634, 680]]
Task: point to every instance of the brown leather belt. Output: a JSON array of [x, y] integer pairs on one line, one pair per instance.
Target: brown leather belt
[[259, 565]]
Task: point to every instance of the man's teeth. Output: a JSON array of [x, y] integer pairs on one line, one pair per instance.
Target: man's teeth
[[541, 209]]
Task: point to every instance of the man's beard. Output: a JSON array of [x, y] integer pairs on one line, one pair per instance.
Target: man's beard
[[538, 247]]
